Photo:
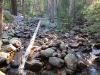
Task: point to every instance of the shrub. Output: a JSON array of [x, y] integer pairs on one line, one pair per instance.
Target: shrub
[[8, 18], [92, 17], [63, 19]]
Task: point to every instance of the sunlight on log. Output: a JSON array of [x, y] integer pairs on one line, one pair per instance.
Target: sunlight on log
[[25, 56]]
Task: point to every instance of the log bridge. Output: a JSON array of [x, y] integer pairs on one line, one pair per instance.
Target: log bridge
[[28, 49]]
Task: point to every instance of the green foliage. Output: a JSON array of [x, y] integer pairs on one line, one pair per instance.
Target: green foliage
[[6, 4], [63, 19], [79, 11], [8, 18], [95, 28], [19, 9], [92, 13], [92, 17]]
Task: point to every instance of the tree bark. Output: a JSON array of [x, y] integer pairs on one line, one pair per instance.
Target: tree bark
[[14, 7], [71, 9], [23, 8], [1, 22], [52, 11]]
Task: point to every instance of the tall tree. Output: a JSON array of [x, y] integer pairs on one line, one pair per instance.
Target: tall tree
[[1, 22], [71, 9], [51, 10], [23, 7], [14, 7]]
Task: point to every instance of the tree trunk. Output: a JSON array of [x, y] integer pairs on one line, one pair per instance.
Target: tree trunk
[[23, 8], [48, 3], [14, 7], [1, 22], [52, 11], [55, 7], [71, 9]]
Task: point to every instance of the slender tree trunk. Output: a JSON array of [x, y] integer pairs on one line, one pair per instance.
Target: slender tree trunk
[[71, 9], [55, 6], [52, 11], [14, 7], [23, 8], [49, 8], [1, 22]]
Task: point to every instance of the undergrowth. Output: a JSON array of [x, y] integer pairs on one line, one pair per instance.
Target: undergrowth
[[8, 18]]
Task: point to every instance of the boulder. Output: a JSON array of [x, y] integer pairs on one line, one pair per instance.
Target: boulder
[[33, 65], [55, 61], [81, 65], [47, 53], [5, 41], [29, 72], [63, 46], [74, 45], [97, 45], [16, 42], [5, 36], [9, 48], [11, 34], [13, 71], [15, 62], [69, 71], [71, 61], [45, 72], [64, 72]]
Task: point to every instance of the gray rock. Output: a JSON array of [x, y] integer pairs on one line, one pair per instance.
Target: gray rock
[[20, 35], [15, 62], [11, 34], [55, 54], [1, 73], [5, 36], [71, 61], [5, 41], [74, 45], [33, 65], [69, 71], [58, 62], [29, 72], [63, 54], [45, 72], [59, 55], [97, 45], [63, 46], [47, 53], [13, 71], [9, 48], [64, 72], [16, 42], [81, 65], [86, 72]]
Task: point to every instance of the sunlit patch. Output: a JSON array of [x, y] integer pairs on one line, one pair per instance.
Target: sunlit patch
[[91, 59]]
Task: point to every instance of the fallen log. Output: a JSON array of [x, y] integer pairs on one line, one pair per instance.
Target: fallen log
[[24, 58]]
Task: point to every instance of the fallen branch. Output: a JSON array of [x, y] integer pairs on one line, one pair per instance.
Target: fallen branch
[[24, 58]]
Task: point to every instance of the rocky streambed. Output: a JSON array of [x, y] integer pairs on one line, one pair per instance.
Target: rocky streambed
[[54, 52]]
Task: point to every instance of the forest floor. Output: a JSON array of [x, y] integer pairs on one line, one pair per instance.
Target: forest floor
[[54, 52]]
